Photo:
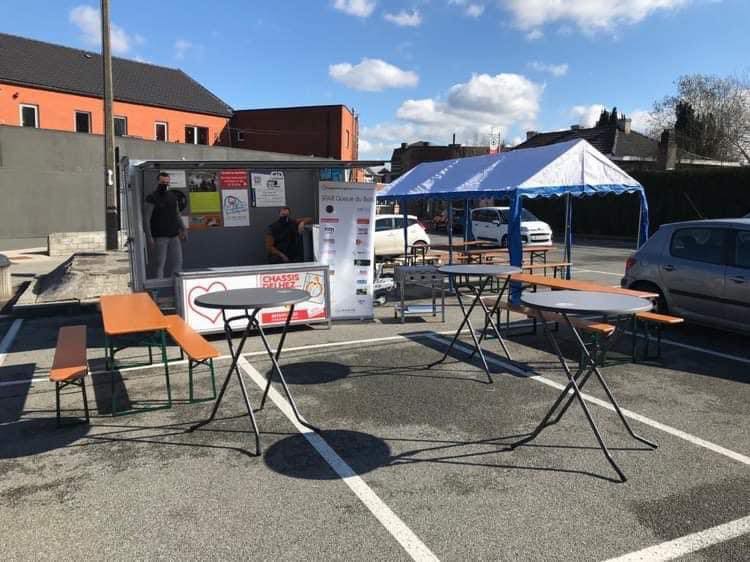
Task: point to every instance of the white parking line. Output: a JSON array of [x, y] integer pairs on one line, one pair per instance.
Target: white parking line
[[578, 269], [690, 543], [701, 350], [410, 542], [8, 339], [627, 413]]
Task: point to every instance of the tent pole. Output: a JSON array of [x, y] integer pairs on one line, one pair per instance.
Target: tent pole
[[406, 228], [638, 241], [568, 232], [515, 248], [468, 234], [450, 231]]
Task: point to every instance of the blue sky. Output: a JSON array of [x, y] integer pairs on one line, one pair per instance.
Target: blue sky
[[420, 69]]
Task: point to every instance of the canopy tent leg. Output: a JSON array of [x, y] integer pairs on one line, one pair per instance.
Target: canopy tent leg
[[450, 232], [515, 243], [468, 232], [568, 233], [406, 228], [643, 226]]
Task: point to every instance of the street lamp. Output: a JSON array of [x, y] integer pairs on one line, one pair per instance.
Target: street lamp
[[112, 223]]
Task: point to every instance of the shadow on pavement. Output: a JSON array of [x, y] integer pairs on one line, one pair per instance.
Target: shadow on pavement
[[35, 436], [312, 372]]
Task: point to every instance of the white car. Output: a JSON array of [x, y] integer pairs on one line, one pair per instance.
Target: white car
[[491, 223], [389, 234]]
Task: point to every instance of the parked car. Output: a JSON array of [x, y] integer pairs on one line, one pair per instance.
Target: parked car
[[701, 270], [491, 223], [389, 234]]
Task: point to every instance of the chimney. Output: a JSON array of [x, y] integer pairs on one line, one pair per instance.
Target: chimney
[[531, 134], [403, 146], [624, 125], [575, 127], [667, 159]]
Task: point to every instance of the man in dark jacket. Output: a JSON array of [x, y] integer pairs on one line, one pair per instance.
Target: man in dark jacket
[[164, 229], [283, 238]]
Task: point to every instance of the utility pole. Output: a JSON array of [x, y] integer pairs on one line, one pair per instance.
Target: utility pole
[[110, 198]]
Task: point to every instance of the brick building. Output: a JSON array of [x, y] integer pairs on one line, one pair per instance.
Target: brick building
[[54, 87], [407, 156], [327, 131]]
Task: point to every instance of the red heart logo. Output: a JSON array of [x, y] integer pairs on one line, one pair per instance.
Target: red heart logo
[[202, 291]]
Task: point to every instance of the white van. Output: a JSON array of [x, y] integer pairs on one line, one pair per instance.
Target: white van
[[491, 223]]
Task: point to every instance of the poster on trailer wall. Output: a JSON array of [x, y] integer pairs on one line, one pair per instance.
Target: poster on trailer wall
[[346, 245]]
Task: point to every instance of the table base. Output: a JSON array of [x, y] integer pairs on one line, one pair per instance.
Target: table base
[[254, 324], [158, 340], [467, 322], [587, 366]]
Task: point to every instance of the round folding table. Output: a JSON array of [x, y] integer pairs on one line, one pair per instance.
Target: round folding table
[[567, 304], [248, 303], [486, 273]]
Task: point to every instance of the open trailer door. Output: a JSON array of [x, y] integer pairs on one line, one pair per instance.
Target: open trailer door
[[132, 218]]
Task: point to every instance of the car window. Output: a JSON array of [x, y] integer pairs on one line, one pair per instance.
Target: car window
[[398, 222], [742, 249], [412, 222], [506, 216], [383, 224], [699, 244], [528, 216]]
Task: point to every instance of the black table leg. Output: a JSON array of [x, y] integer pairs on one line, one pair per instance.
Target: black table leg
[[576, 381], [277, 369], [488, 321], [251, 320], [467, 322]]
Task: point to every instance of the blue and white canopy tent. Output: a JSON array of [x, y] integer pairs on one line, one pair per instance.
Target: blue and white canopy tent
[[571, 169]]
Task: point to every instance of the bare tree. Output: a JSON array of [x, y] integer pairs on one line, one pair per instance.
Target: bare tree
[[719, 109]]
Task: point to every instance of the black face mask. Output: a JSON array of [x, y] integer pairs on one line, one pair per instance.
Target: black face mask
[[162, 187], [284, 220]]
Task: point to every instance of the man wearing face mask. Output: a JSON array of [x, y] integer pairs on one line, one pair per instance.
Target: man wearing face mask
[[283, 238], [164, 229]]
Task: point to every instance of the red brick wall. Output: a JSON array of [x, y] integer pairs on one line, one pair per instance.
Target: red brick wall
[[317, 131], [57, 111]]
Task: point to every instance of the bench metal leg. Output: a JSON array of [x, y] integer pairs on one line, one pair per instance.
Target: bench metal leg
[[59, 385]]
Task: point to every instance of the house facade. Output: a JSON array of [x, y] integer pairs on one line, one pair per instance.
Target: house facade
[[55, 87]]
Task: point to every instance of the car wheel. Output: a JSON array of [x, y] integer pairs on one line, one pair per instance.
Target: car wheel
[[504, 241], [420, 243], [661, 301]]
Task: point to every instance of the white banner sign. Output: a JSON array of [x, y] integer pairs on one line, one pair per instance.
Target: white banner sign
[[270, 189], [176, 178], [205, 320], [346, 243]]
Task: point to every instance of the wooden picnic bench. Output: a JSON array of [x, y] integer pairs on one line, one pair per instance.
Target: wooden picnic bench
[[196, 347], [641, 319], [70, 366]]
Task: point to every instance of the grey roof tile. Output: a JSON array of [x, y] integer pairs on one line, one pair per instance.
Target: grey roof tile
[[54, 67]]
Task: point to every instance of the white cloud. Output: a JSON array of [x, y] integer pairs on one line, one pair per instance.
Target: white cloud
[[587, 115], [181, 48], [472, 9], [359, 8], [555, 70], [372, 75], [588, 15], [642, 120], [534, 35], [471, 110], [89, 21], [404, 18]]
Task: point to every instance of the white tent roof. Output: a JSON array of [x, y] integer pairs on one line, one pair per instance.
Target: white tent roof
[[573, 167]]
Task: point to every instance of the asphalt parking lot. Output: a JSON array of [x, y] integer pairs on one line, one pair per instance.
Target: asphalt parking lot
[[411, 462]]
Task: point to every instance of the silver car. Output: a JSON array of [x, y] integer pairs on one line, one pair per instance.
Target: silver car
[[701, 269]]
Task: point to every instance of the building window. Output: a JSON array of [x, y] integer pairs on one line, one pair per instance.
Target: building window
[[121, 126], [161, 132], [29, 116], [83, 122], [240, 136], [347, 138], [196, 135]]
